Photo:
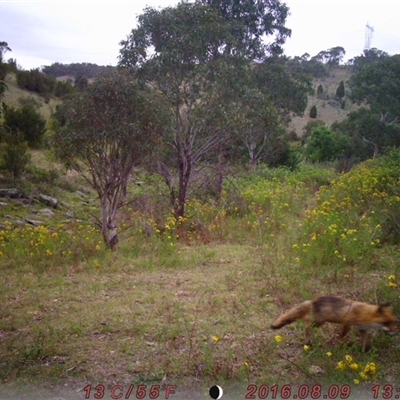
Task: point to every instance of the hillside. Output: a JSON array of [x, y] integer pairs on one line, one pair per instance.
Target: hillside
[[14, 93], [328, 109]]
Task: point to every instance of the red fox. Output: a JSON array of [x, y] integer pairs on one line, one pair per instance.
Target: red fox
[[362, 316]]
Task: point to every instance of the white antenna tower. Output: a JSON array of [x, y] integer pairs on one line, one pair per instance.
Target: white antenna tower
[[368, 36]]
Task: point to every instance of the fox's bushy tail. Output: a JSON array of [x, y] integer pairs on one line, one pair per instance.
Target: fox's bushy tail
[[295, 313]]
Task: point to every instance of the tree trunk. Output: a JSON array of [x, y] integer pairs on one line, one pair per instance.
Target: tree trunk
[[221, 167], [178, 192], [185, 170], [109, 222]]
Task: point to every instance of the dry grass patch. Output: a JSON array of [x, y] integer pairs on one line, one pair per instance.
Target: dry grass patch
[[126, 324], [328, 110]]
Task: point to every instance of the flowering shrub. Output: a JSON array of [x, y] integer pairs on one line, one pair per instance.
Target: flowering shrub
[[41, 247], [255, 204], [354, 215], [366, 373]]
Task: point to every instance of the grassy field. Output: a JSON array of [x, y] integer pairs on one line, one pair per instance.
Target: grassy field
[[190, 305]]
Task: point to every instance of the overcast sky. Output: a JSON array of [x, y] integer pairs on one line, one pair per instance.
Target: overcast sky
[[41, 33]]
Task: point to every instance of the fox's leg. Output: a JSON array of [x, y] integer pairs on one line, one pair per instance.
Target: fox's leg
[[314, 324], [345, 331], [308, 335], [365, 342]]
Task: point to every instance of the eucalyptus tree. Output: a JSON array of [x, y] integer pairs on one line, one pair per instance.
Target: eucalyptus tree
[[198, 55], [3, 50], [256, 26], [103, 133], [378, 84], [332, 56], [3, 71], [367, 57], [256, 129]]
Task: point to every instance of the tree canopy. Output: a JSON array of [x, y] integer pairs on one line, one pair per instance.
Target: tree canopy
[[207, 29], [103, 133], [74, 69], [3, 71], [251, 24], [3, 50], [200, 57], [368, 56], [332, 56], [378, 84], [369, 136]]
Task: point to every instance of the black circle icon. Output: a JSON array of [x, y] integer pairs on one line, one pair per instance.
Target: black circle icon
[[216, 392]]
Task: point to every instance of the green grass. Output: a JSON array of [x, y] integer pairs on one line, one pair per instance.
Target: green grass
[[190, 303], [15, 93]]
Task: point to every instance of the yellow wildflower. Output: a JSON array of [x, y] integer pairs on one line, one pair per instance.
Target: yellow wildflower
[[370, 368], [354, 366], [278, 338], [364, 376], [341, 365]]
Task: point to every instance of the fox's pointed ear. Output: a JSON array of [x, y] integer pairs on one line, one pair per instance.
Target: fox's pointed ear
[[382, 307]]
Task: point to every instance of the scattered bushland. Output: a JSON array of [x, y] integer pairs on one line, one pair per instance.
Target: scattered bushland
[[192, 300]]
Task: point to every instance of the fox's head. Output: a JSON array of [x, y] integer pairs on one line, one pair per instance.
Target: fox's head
[[387, 319]]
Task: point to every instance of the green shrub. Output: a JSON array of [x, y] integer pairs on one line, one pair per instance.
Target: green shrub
[[310, 126], [14, 156], [27, 120], [36, 81], [354, 216], [320, 91], [325, 145], [313, 112], [340, 90]]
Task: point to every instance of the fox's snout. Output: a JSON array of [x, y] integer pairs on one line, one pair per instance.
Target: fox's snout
[[391, 333], [394, 331]]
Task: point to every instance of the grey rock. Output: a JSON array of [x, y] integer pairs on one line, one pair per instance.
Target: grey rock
[[50, 201], [47, 212], [34, 222], [12, 193], [70, 214]]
